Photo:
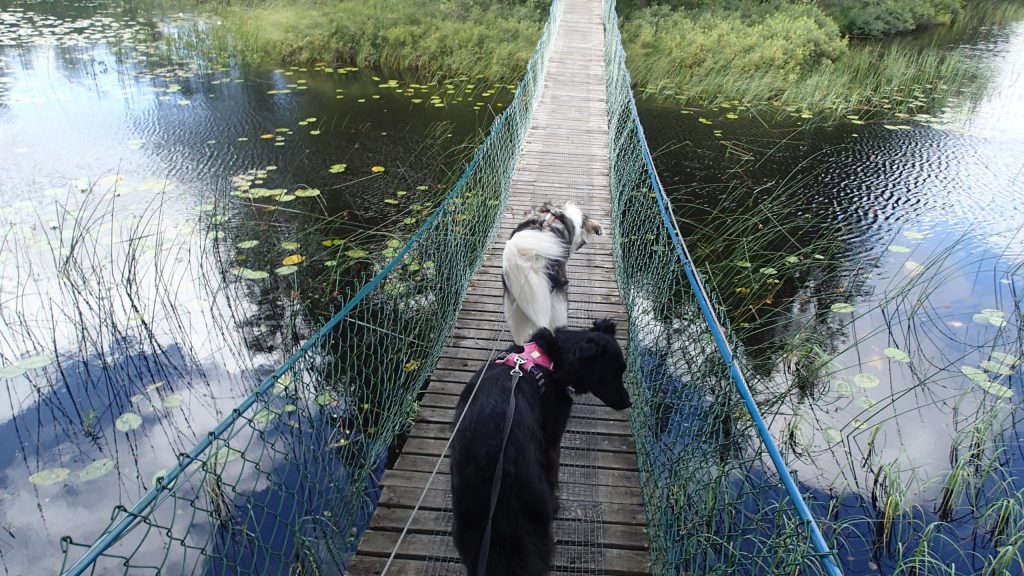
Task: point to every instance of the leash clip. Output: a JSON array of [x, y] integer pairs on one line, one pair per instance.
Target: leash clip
[[519, 360]]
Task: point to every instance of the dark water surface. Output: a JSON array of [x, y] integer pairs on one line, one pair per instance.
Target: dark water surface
[[928, 214], [140, 186]]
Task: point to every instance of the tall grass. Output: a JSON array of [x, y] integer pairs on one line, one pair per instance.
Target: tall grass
[[452, 38]]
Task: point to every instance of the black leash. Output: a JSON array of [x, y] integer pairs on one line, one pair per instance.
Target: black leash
[[485, 544]]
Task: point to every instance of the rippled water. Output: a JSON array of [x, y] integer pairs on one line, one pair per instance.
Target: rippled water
[[928, 212], [134, 180]]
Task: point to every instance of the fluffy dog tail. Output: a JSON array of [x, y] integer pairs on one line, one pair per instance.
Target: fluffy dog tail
[[527, 289]]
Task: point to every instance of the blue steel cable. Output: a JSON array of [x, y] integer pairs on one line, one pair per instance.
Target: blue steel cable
[[825, 554]]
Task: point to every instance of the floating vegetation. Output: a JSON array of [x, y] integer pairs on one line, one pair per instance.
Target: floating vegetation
[[128, 421], [49, 476], [96, 469]]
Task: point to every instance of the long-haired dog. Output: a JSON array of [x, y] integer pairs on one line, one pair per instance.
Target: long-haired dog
[[521, 541], [533, 267]]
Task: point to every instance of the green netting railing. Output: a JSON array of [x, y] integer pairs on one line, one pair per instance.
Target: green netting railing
[[285, 482], [715, 491]]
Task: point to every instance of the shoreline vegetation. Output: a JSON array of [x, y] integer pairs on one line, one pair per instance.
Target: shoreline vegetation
[[827, 56]]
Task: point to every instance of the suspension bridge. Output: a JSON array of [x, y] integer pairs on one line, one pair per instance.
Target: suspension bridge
[[297, 480]]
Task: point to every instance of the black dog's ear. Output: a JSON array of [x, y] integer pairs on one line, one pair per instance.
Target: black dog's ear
[[589, 348], [605, 326], [546, 341]]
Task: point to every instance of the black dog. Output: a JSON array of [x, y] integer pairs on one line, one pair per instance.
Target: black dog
[[521, 541]]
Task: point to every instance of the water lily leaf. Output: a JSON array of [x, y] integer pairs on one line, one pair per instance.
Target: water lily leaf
[[832, 436], [976, 374], [356, 253], [865, 380], [394, 243], [996, 367], [769, 271], [293, 259], [128, 421], [95, 469], [286, 198], [159, 474], [742, 263], [306, 192], [377, 169], [997, 321], [913, 235], [324, 399], [791, 260], [49, 476], [290, 407], [224, 455], [153, 386], [1007, 359], [913, 267], [844, 387], [993, 312], [34, 362], [428, 264], [842, 308], [996, 389], [137, 398], [173, 401], [337, 168], [896, 354], [423, 187], [11, 371], [283, 384], [264, 416], [865, 403], [219, 219], [285, 270], [980, 318], [290, 245], [248, 244], [898, 249], [390, 201], [250, 274]]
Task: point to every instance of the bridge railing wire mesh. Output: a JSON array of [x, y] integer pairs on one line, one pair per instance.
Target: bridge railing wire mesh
[[283, 483], [713, 499]]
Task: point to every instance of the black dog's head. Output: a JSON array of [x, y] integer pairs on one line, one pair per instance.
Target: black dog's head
[[589, 361]]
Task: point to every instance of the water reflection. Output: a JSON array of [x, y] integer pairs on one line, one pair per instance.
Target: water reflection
[[878, 364], [128, 195]]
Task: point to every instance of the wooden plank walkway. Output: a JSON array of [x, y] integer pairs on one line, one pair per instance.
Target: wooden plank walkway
[[601, 526]]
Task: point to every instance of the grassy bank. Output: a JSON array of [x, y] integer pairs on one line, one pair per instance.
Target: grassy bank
[[777, 53], [447, 38]]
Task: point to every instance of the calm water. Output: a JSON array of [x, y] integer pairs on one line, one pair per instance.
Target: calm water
[[134, 181], [938, 196]]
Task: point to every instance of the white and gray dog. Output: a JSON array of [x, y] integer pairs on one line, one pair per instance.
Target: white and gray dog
[[533, 267]]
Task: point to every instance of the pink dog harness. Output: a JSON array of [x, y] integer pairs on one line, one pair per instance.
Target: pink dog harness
[[531, 356]]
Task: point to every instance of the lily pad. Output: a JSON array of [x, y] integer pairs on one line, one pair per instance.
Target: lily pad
[[791, 260], [377, 169], [290, 245], [224, 455], [1007, 359], [742, 263], [293, 259], [898, 249], [980, 318], [913, 235], [842, 308], [96, 469], [996, 389], [264, 416], [976, 374], [34, 362], [394, 243], [996, 367], [248, 243], [356, 253], [865, 403], [843, 387], [249, 274], [128, 421], [337, 168], [11, 371], [865, 380], [769, 271], [896, 354], [324, 399], [306, 192], [832, 436], [173, 401], [285, 270], [49, 476]]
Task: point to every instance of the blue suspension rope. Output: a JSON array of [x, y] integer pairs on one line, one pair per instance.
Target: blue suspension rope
[[824, 553]]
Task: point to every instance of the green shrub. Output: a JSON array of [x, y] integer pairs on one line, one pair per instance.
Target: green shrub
[[886, 17]]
